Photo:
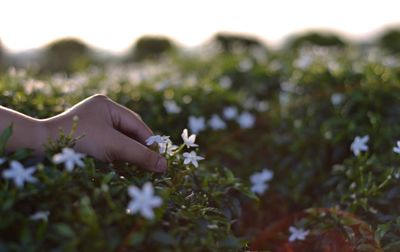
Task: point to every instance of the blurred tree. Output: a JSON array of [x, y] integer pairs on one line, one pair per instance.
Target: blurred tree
[[66, 55], [316, 38], [229, 42], [150, 47], [390, 40]]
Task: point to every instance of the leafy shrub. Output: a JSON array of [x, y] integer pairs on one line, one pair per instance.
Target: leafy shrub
[[293, 116], [151, 47], [66, 55], [390, 40]]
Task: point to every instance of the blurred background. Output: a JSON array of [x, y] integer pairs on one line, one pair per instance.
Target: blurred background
[[69, 35]]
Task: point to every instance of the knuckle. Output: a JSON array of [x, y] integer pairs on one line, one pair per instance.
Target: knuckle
[[99, 98]]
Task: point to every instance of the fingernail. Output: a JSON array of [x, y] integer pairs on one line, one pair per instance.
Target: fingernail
[[161, 164]]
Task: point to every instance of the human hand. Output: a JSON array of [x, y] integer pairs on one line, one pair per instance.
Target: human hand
[[111, 132]]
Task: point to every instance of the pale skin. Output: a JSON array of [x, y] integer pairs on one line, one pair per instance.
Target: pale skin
[[111, 132]]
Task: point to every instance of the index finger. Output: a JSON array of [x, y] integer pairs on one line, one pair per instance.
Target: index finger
[[129, 123]]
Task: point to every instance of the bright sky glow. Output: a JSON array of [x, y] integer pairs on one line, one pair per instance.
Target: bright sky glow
[[114, 25]]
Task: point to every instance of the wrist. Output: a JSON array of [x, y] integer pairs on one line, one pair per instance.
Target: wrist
[[42, 134]]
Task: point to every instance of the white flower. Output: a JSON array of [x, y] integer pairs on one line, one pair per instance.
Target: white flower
[[245, 65], [196, 124], [230, 112], [171, 107], [40, 215], [2, 160], [216, 123], [143, 201], [297, 234], [359, 144], [157, 139], [264, 176], [304, 61], [259, 181], [246, 120], [70, 158], [19, 174], [188, 140], [337, 99], [167, 147], [397, 148], [191, 158], [225, 82], [259, 188]]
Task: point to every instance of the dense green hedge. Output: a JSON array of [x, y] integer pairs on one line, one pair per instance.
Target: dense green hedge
[[297, 115]]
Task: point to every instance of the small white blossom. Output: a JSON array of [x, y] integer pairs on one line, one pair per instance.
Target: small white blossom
[[337, 99], [171, 107], [264, 176], [19, 174], [167, 147], [225, 82], [304, 61], [259, 188], [297, 234], [245, 65], [191, 158], [397, 147], [230, 112], [359, 144], [197, 124], [70, 158], [40, 215], [157, 139], [143, 201], [259, 181], [188, 140], [246, 120], [216, 123]]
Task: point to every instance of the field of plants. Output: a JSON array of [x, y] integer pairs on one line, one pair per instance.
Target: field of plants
[[295, 150]]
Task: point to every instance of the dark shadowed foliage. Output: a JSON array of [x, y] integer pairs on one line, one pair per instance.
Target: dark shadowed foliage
[[228, 42], [66, 55], [390, 40], [316, 39], [150, 47]]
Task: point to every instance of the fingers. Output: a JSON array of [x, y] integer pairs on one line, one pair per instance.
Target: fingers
[[123, 148], [129, 123]]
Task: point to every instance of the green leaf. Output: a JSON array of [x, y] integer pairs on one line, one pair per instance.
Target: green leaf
[[381, 231], [4, 137]]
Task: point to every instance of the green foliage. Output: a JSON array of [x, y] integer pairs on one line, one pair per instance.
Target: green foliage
[[151, 47], [66, 55], [308, 109], [316, 39], [230, 42], [390, 40]]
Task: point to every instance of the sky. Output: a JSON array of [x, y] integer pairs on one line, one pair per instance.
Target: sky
[[115, 24]]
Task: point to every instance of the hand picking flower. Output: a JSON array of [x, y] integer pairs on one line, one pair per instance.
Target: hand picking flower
[[19, 174], [143, 201], [70, 158]]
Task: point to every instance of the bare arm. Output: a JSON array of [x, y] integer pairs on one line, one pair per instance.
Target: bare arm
[[112, 132]]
